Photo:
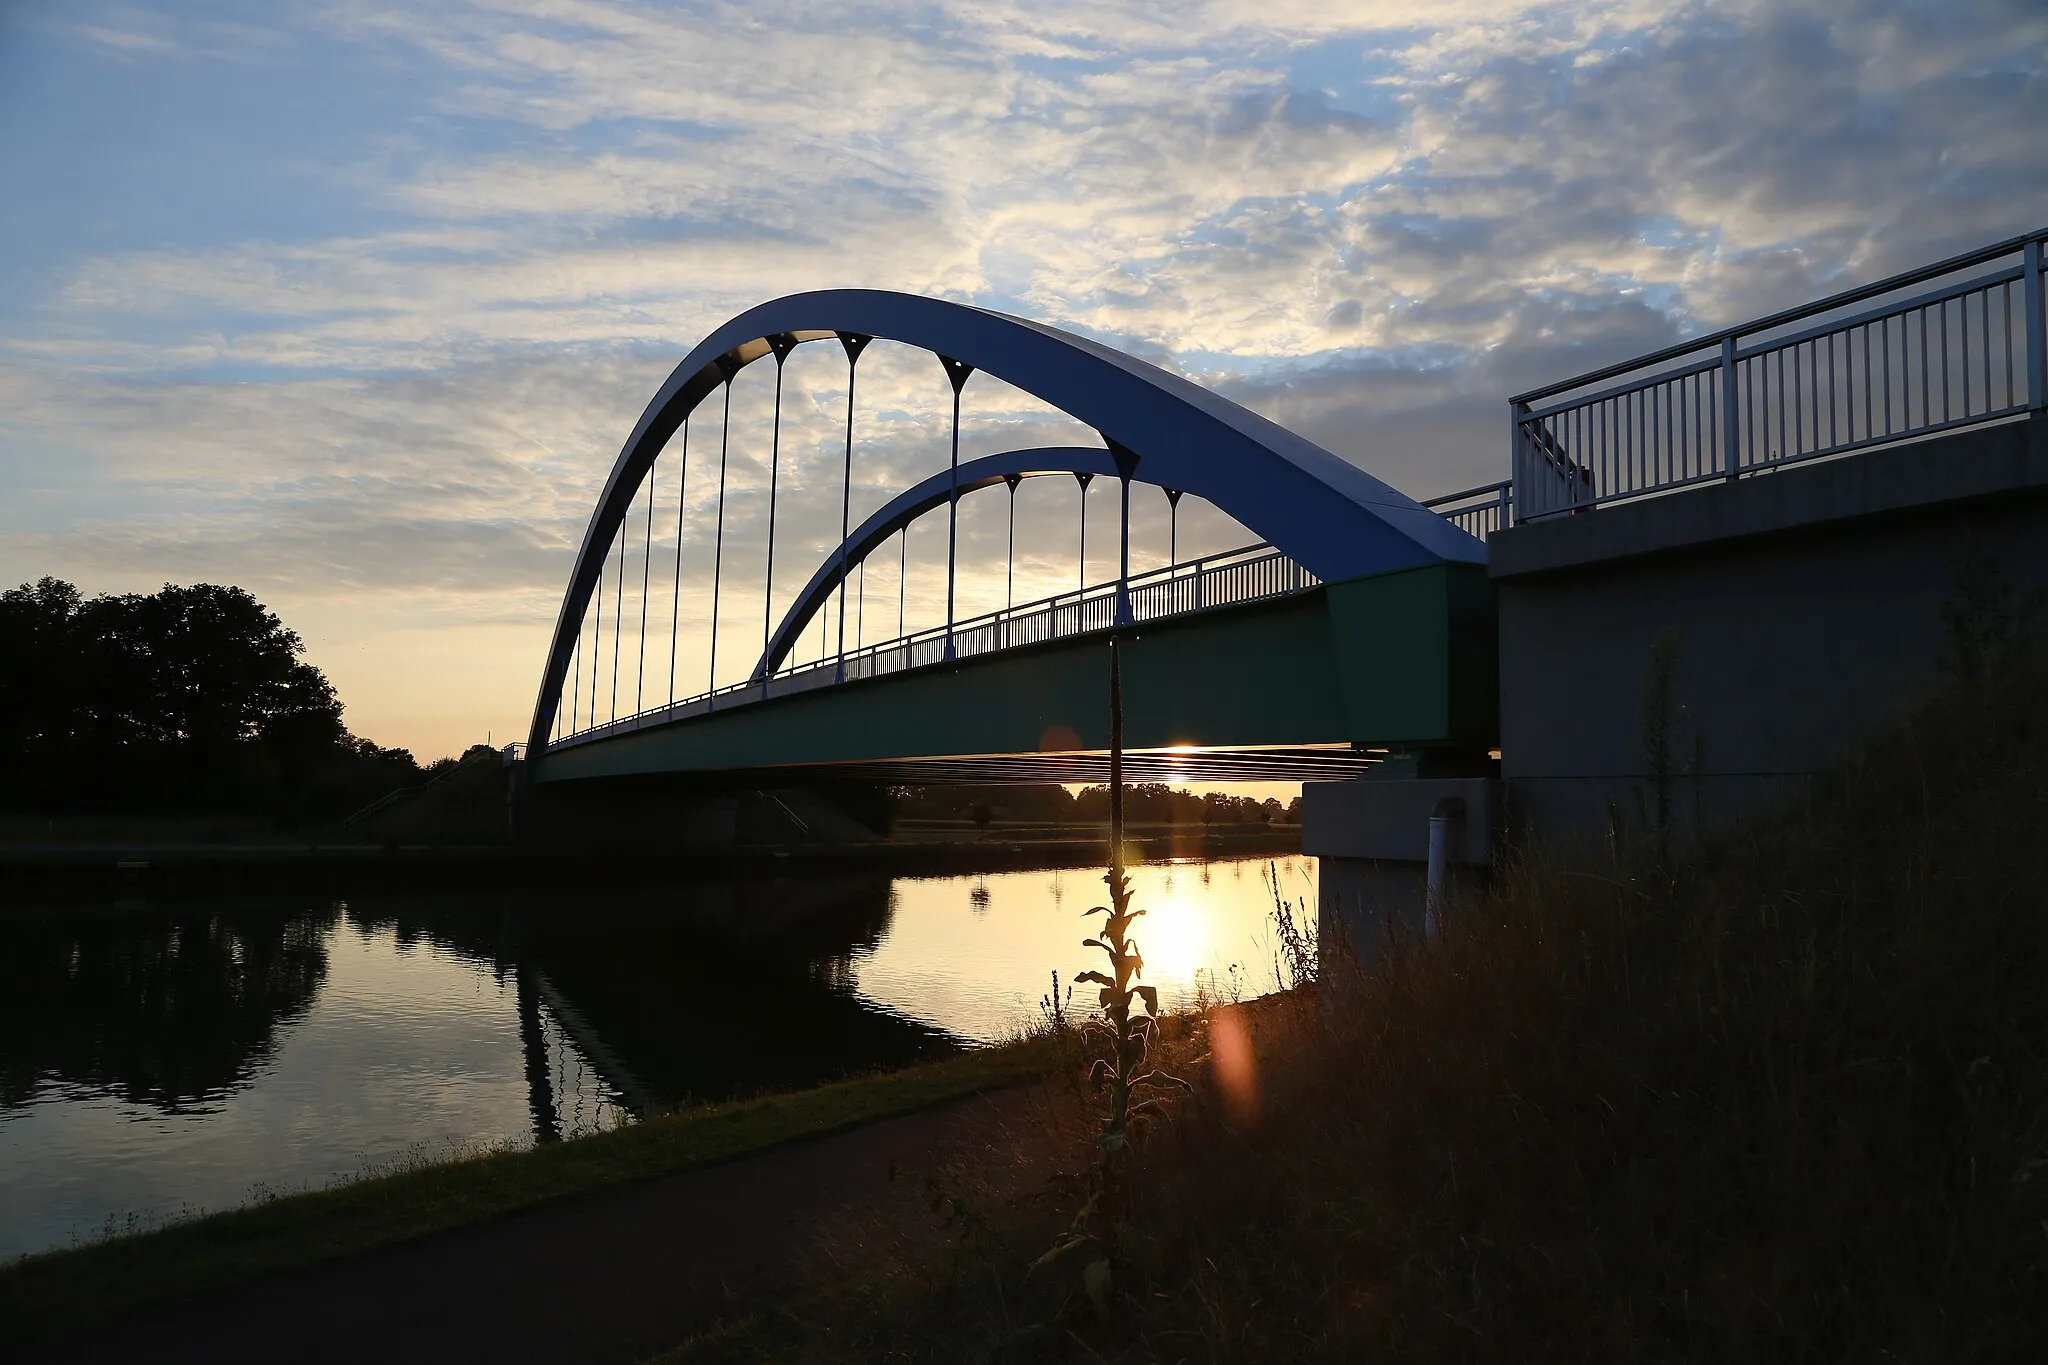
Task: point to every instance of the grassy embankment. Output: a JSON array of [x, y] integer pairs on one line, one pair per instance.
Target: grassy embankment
[[1782, 1096], [108, 1280]]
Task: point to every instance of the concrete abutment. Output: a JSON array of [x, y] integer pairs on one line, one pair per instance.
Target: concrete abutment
[[1709, 653]]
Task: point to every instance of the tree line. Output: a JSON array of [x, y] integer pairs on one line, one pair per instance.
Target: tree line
[[189, 700], [1144, 803], [1157, 803]]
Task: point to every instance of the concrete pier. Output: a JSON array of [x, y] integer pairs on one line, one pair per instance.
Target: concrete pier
[[1370, 839]]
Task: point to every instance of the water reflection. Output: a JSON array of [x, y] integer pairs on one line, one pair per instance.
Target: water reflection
[[165, 1010], [686, 993], [159, 1059], [975, 956]]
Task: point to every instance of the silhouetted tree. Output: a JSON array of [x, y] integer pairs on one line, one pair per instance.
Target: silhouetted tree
[[1157, 803], [192, 698]]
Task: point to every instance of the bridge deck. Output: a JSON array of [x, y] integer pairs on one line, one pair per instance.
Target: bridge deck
[[1294, 683], [1252, 573]]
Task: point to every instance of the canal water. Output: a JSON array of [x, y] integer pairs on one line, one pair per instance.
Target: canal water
[[160, 1059]]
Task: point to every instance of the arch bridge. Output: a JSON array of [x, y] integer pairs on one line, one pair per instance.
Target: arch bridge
[[1357, 620]]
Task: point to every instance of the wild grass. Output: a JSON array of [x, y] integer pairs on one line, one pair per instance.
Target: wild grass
[[1779, 1097]]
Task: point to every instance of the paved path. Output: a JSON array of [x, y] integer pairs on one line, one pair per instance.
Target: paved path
[[609, 1277]]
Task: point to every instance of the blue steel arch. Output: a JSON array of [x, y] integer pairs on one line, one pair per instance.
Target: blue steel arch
[[1331, 517], [914, 502]]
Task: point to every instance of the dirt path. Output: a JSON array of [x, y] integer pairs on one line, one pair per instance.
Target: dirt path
[[610, 1277]]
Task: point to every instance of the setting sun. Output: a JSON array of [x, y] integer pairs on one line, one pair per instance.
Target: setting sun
[[1174, 938]]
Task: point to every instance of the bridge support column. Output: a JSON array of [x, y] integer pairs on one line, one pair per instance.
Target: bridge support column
[[1123, 564], [718, 538], [782, 346], [618, 618], [1126, 466], [956, 374], [854, 344], [1372, 841], [1010, 560], [675, 601], [1081, 577]]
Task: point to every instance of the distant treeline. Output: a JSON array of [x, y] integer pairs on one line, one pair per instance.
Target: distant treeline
[[188, 701], [1144, 803]]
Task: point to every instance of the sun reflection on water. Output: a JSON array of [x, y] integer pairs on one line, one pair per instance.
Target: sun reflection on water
[[1174, 937], [974, 956]]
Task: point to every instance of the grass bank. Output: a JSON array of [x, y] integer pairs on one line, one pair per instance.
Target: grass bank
[[1779, 1097], [109, 1280]]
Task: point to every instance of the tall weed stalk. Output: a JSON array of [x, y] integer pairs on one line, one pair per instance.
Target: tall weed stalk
[[1102, 1229]]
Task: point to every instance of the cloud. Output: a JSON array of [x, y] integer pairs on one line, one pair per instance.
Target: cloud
[[133, 34], [1371, 223]]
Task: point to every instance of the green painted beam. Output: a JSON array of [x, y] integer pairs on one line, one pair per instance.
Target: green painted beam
[[1417, 652], [1385, 660]]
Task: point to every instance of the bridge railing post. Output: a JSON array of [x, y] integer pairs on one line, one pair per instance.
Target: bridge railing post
[[1518, 449], [2035, 294], [1123, 552], [1731, 413]]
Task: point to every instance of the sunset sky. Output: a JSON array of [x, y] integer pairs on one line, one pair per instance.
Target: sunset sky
[[353, 304]]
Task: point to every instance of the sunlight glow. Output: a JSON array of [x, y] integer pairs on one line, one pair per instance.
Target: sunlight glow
[[1174, 937]]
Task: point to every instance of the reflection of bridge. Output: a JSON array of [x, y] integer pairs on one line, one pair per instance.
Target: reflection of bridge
[[1360, 619], [614, 1000]]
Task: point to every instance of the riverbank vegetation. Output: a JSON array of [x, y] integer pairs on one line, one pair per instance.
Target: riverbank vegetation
[[191, 701], [1147, 806], [1777, 1096]]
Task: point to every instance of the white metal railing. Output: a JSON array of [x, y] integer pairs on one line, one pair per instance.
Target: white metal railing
[[1477, 511], [1250, 574], [1813, 381]]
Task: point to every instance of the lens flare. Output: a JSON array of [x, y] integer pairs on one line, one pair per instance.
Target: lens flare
[[1232, 1062]]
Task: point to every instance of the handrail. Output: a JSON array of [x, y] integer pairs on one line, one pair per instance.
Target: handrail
[[1489, 489], [1493, 509], [1075, 596], [1247, 574], [351, 821], [400, 793], [1905, 280], [1763, 394]]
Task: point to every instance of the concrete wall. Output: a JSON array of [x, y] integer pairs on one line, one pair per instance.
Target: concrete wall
[[1809, 605], [1363, 905], [1387, 818]]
